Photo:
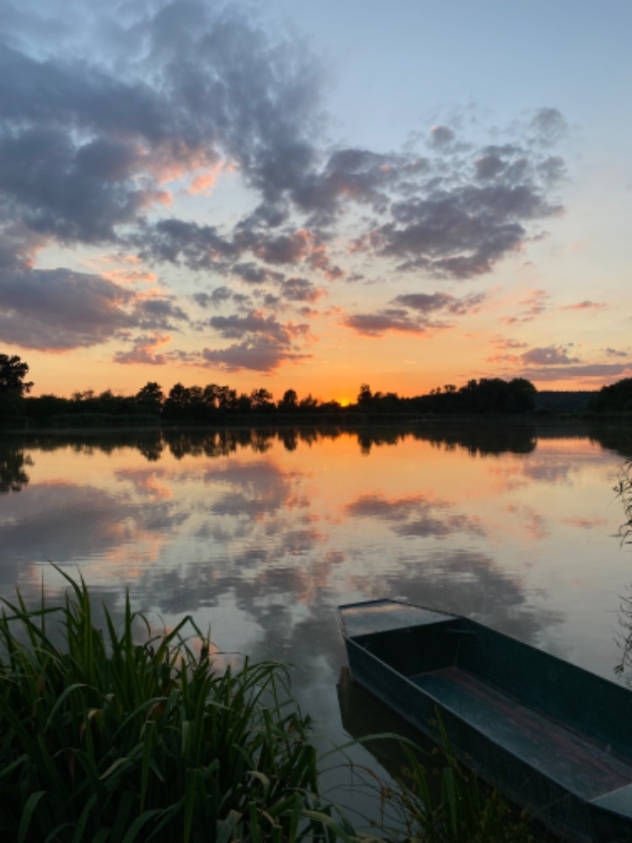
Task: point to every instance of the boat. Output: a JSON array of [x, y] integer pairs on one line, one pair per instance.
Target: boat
[[551, 736]]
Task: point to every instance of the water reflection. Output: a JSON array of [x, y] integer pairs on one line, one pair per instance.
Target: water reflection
[[152, 444], [261, 534], [13, 463]]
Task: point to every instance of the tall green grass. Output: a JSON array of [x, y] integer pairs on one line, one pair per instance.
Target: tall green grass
[[443, 802], [435, 799], [103, 739]]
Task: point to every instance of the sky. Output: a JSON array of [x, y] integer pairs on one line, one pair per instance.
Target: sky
[[316, 195]]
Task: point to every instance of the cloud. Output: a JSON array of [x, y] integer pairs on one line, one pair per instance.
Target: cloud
[[584, 305], [598, 371], [59, 309], [145, 351], [158, 312], [259, 354], [428, 302], [377, 506], [300, 289], [549, 125], [177, 241], [389, 319], [532, 306], [236, 327], [472, 214], [399, 319], [413, 516], [253, 273], [284, 249], [215, 298], [550, 355], [441, 136], [509, 344], [265, 343]]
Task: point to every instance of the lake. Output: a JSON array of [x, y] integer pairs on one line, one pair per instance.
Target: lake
[[261, 534]]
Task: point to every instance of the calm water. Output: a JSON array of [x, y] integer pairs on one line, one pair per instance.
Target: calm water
[[261, 535]]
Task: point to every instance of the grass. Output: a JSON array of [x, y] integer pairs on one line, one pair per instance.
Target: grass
[[623, 490], [104, 739], [107, 740], [435, 799], [449, 804]]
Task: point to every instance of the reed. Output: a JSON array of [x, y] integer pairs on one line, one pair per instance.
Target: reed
[[105, 739], [443, 802]]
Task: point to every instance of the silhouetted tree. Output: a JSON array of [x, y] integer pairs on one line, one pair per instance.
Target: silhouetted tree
[[615, 398], [12, 387], [289, 400], [308, 403], [150, 397], [365, 396], [261, 399], [227, 398], [13, 370]]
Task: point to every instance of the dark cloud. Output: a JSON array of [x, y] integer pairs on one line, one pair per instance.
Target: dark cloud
[[271, 301], [461, 232], [300, 289], [158, 313], [377, 506], [421, 305], [196, 246], [259, 354], [253, 273], [613, 352], [429, 302], [68, 191], [217, 297], [284, 249], [389, 319], [550, 355], [264, 344], [61, 309], [414, 516], [549, 125], [599, 371], [441, 136], [236, 327]]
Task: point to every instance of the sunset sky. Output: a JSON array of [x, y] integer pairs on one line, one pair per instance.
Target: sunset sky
[[312, 195]]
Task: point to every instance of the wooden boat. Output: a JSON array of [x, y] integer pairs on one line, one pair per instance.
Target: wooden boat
[[552, 736]]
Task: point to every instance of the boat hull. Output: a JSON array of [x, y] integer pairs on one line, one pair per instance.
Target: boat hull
[[500, 705]]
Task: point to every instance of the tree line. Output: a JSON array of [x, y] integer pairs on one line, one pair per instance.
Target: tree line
[[216, 403]]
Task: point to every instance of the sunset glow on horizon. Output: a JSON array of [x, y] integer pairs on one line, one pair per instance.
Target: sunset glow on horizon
[[314, 198]]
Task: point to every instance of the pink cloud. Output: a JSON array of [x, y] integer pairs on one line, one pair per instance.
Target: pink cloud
[[584, 305], [144, 351]]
